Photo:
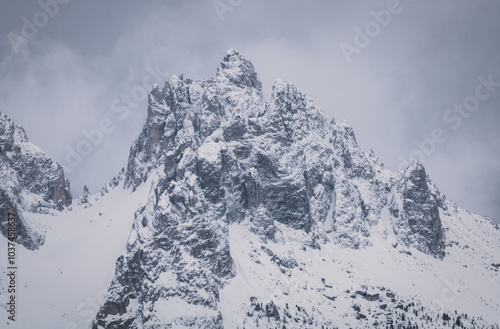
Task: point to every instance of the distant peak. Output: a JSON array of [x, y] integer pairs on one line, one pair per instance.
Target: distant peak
[[415, 172], [283, 86], [416, 166], [238, 70], [231, 53], [9, 128], [5, 119]]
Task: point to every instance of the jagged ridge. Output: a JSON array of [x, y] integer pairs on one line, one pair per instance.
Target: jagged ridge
[[221, 154]]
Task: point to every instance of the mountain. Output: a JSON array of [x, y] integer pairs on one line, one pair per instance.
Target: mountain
[[31, 182], [244, 192], [240, 212]]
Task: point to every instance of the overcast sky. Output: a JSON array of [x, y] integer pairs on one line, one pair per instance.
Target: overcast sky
[[71, 66]]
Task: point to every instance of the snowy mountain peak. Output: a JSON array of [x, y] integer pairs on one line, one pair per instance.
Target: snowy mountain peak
[[227, 168], [238, 70], [415, 167], [31, 183], [231, 52], [11, 131]]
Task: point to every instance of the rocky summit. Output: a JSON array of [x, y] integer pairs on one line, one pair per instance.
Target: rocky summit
[[216, 154], [250, 213]]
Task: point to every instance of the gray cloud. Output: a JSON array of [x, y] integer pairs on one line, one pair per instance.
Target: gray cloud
[[394, 91]]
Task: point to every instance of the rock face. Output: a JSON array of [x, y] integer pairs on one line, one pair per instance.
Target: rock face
[[216, 153], [30, 182], [416, 209]]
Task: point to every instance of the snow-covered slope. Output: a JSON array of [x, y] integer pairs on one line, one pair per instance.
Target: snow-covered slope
[[236, 212], [339, 287], [61, 284]]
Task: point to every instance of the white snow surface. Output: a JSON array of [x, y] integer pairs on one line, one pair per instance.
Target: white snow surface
[[463, 281], [63, 284]]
